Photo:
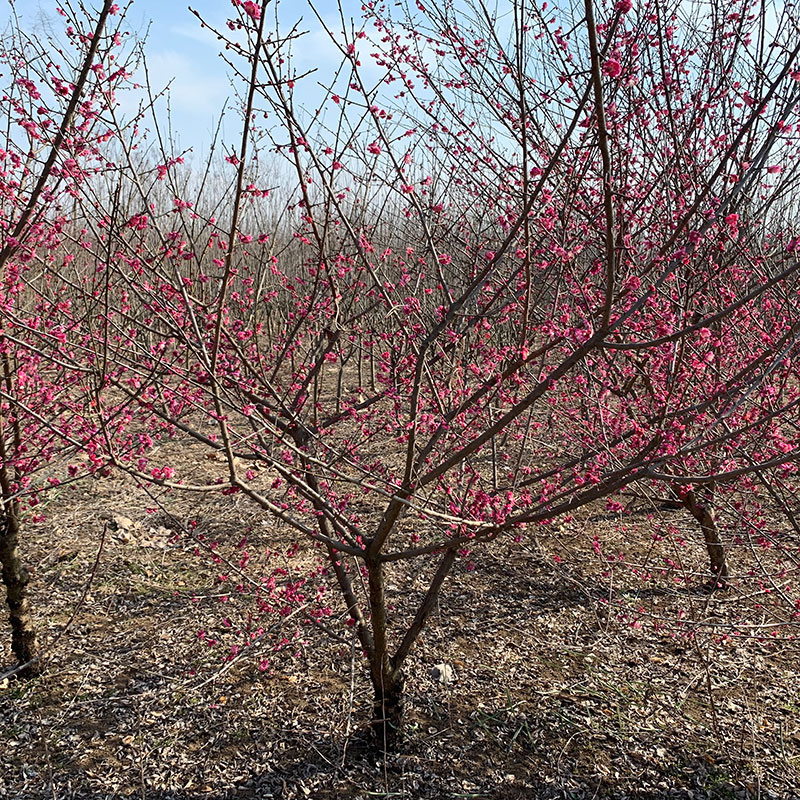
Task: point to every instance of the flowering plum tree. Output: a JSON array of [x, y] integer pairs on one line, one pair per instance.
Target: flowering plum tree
[[535, 257], [52, 147]]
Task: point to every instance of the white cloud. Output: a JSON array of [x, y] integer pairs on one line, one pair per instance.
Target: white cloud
[[197, 33], [194, 86]]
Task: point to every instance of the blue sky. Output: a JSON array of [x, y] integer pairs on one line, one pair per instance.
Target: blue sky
[[180, 51]]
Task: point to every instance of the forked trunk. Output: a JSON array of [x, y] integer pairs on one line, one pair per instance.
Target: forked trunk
[[15, 579], [387, 670]]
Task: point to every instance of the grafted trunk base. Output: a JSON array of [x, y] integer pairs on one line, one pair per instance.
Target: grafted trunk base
[[387, 715]]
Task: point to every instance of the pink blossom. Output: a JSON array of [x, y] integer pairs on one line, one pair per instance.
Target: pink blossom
[[612, 67], [774, 169], [253, 11], [624, 6]]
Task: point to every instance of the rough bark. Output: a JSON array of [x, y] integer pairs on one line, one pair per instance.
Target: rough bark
[[388, 709], [386, 679], [16, 579]]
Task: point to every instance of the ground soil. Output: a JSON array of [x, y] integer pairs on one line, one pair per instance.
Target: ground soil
[[571, 675]]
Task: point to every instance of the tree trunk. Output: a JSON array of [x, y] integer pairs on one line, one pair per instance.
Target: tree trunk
[[15, 578], [703, 512], [716, 551], [387, 676], [387, 712]]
